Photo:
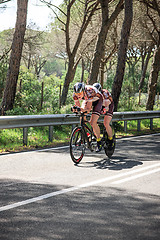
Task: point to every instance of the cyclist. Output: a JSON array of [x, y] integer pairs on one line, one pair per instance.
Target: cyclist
[[91, 98], [107, 110]]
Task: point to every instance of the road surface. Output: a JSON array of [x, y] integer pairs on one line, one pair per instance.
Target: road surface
[[44, 196]]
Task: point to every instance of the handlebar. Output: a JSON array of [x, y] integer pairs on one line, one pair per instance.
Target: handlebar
[[79, 111], [75, 108], [81, 114]]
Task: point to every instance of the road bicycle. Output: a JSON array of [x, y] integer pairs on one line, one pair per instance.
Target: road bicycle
[[83, 137]]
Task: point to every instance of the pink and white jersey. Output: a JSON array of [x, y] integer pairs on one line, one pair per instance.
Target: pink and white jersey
[[91, 94]]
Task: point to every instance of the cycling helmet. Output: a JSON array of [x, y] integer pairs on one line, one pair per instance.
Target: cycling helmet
[[98, 86], [79, 87]]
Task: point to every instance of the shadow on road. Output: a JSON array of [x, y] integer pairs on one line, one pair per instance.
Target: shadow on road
[[97, 213], [117, 163], [128, 154]]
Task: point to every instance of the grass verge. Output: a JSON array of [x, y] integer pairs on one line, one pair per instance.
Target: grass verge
[[11, 140]]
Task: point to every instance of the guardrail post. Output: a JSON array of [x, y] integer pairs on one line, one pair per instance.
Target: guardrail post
[[138, 125], [73, 126], [125, 126], [151, 124], [25, 136], [50, 133]]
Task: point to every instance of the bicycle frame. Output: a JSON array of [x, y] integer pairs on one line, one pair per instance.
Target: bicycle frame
[[80, 140], [83, 128]]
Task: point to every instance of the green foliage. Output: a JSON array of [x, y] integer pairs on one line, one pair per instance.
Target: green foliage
[[118, 126], [3, 73], [29, 94], [10, 137], [54, 66]]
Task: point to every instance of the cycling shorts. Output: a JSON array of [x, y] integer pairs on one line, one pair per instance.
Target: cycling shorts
[[97, 106], [110, 111]]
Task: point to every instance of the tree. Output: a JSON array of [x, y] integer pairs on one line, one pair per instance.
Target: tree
[[152, 83], [15, 57], [125, 32], [89, 9], [152, 26], [100, 46], [145, 60], [33, 53], [84, 11]]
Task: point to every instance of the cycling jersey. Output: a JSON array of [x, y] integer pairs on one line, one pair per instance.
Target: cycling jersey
[[91, 94], [107, 96]]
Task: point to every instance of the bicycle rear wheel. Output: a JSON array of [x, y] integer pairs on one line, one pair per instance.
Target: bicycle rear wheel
[[108, 152], [77, 145]]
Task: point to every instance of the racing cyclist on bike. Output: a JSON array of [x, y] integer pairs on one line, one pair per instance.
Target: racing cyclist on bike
[[107, 110], [91, 97]]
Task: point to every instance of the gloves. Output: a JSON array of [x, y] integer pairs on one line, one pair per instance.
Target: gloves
[[105, 110], [75, 109]]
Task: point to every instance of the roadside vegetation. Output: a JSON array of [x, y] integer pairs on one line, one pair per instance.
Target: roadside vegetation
[[116, 43], [11, 140]]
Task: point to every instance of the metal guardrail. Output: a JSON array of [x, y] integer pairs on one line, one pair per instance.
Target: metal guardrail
[[25, 121]]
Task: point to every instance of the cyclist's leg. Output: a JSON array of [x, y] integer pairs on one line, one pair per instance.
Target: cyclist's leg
[[107, 120], [96, 130], [94, 124], [97, 106]]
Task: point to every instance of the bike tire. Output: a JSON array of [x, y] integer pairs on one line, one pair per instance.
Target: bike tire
[[77, 145], [108, 152]]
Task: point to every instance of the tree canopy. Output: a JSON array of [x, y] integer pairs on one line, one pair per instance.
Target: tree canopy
[[116, 43]]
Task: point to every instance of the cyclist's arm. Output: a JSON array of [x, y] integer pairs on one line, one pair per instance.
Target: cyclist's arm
[[86, 106], [77, 103], [106, 102]]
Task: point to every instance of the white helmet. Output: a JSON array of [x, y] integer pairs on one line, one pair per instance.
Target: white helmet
[[79, 87], [98, 86]]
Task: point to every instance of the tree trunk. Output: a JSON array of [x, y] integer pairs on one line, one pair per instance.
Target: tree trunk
[[100, 46], [152, 84], [102, 71], [145, 68], [68, 79], [72, 65], [125, 32], [15, 57], [83, 68], [42, 94]]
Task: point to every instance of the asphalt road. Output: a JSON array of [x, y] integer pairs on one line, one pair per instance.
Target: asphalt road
[[44, 196]]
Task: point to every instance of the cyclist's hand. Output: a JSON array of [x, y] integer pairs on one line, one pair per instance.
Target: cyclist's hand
[[75, 109], [78, 109], [105, 110]]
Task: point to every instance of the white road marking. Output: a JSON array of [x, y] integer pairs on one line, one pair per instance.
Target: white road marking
[[136, 176], [63, 191], [134, 137], [55, 148]]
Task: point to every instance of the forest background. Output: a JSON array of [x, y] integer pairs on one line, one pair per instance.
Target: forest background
[[116, 43]]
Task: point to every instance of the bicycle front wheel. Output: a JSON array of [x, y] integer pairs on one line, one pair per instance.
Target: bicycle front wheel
[[77, 145]]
